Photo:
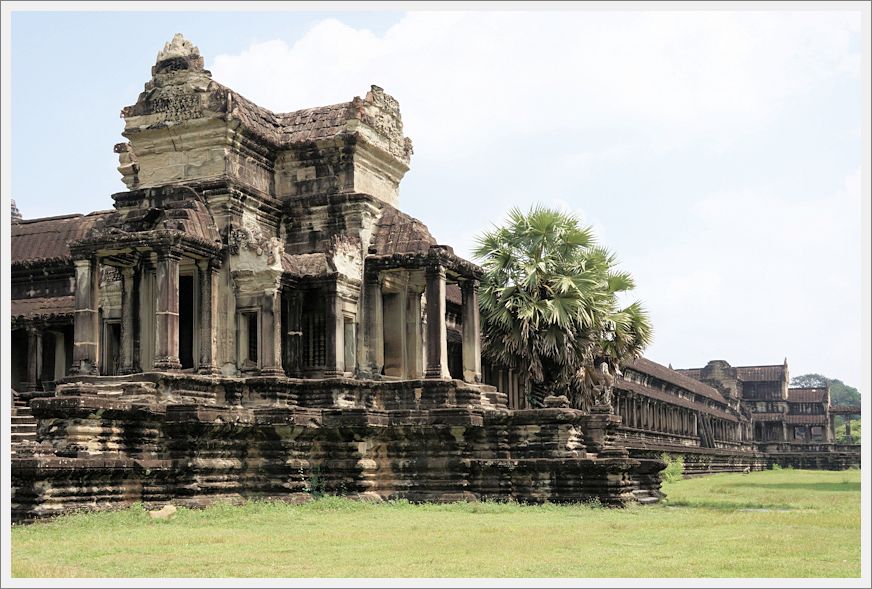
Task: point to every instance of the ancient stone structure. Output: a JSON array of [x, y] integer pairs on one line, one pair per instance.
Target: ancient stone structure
[[719, 418], [729, 418], [254, 317], [790, 426]]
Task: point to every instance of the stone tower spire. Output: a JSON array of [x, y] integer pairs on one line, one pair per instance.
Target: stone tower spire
[[16, 214], [176, 55]]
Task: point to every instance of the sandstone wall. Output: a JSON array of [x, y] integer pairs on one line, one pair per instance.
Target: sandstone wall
[[193, 440]]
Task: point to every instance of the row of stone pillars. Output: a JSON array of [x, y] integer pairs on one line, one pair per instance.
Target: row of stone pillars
[[166, 314], [643, 413], [435, 340]]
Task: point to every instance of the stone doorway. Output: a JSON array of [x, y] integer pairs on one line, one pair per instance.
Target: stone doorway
[[186, 321], [112, 348]]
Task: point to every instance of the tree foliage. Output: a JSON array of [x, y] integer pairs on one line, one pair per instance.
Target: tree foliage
[[842, 394], [549, 301], [809, 381]]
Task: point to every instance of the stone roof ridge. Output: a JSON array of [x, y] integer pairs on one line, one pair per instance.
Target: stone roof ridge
[[761, 366], [53, 218]]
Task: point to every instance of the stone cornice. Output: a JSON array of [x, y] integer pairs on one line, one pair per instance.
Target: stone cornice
[[437, 256]]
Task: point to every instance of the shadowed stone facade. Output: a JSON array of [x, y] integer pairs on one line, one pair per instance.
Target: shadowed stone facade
[[255, 317]]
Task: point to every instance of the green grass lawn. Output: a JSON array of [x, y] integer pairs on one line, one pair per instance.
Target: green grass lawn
[[788, 523]]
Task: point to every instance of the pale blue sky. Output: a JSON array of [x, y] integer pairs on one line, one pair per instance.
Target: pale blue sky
[[717, 153]]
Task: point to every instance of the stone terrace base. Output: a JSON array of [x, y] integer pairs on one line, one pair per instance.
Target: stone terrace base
[[702, 461], [107, 442]]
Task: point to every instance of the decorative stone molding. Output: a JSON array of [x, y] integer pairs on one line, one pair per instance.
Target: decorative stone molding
[[251, 239]]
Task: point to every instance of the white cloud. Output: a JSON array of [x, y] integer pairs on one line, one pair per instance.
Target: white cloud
[[749, 274], [468, 79]]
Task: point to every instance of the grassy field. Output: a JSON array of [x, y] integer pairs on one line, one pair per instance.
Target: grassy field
[[787, 523]]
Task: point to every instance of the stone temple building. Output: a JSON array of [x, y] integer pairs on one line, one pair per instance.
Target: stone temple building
[[256, 317], [724, 418]]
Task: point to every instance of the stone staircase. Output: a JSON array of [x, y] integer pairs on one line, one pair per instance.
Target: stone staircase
[[23, 425]]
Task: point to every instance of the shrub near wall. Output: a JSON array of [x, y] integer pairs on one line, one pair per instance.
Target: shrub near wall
[[674, 468]]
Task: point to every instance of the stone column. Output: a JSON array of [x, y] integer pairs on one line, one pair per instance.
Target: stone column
[[34, 357], [471, 339], [437, 331], [86, 318], [371, 354], [206, 276], [128, 309], [831, 434], [335, 334], [271, 358], [414, 334], [147, 327], [166, 339]]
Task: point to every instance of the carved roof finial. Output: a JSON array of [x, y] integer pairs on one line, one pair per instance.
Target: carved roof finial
[[16, 214], [178, 47], [179, 55]]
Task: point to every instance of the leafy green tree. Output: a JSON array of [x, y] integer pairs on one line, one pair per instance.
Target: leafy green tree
[[842, 394], [809, 381], [549, 301]]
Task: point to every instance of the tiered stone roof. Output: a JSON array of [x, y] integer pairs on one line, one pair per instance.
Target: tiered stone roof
[[47, 240], [398, 233]]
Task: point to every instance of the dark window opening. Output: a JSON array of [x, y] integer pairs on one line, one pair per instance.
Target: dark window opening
[[49, 343], [251, 319], [455, 357], [186, 321], [314, 330], [18, 347], [68, 348]]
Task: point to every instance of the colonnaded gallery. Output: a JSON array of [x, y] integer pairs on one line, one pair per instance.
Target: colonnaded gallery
[[255, 317]]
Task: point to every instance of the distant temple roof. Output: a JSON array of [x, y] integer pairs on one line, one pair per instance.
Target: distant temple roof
[[807, 395], [760, 373], [772, 372], [679, 379]]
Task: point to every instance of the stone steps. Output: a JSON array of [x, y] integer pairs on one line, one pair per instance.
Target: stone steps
[[23, 426]]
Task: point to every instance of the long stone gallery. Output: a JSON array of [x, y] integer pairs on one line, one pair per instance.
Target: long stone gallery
[[255, 318]]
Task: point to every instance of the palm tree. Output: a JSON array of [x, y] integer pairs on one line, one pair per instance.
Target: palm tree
[[549, 305]]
